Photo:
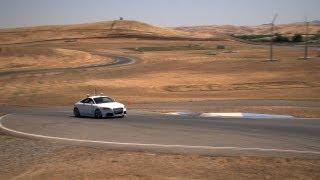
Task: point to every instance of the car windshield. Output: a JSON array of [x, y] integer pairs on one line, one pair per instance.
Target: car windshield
[[100, 100]]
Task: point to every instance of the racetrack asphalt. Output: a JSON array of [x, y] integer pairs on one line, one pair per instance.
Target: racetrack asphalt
[[146, 131]]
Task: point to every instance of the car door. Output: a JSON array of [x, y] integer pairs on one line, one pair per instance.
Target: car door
[[89, 107], [82, 106]]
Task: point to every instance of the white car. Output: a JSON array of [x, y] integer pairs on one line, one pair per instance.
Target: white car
[[99, 107]]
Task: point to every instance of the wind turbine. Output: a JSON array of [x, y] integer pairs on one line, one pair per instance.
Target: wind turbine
[[306, 45], [272, 37]]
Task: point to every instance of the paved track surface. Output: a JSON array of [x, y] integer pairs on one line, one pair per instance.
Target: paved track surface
[[173, 134]]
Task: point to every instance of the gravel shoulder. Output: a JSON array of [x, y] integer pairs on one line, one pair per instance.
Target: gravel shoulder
[[33, 159]]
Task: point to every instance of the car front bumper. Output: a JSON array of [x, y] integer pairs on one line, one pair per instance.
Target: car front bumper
[[114, 113]]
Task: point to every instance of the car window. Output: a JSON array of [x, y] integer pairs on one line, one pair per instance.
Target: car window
[[85, 100], [90, 101], [100, 100]]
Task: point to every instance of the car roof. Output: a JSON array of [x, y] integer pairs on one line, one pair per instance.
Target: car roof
[[97, 96]]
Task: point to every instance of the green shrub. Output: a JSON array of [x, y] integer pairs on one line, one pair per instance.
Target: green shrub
[[281, 39], [251, 37], [211, 53], [316, 36], [221, 47], [297, 38]]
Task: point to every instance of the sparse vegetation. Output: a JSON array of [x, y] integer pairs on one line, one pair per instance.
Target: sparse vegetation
[[297, 38], [281, 39], [211, 53], [221, 46], [170, 48], [251, 37], [316, 36]]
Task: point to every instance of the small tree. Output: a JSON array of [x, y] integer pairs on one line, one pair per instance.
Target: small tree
[[316, 36], [297, 38], [280, 39], [221, 46]]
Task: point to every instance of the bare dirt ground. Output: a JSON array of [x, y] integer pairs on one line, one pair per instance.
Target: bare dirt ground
[[33, 159], [22, 58]]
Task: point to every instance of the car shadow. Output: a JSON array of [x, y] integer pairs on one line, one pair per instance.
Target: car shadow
[[88, 117]]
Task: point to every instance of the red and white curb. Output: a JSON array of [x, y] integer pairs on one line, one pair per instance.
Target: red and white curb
[[233, 115]]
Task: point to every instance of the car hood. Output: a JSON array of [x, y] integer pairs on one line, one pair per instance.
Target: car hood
[[110, 105]]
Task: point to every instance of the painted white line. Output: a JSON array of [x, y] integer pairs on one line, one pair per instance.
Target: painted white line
[[233, 115], [156, 145], [247, 115], [183, 113]]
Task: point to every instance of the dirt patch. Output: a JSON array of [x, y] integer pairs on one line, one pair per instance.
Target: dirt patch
[[25, 58], [17, 154], [243, 86], [90, 163], [171, 48]]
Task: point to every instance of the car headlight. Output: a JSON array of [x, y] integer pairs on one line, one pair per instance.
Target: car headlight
[[106, 109]]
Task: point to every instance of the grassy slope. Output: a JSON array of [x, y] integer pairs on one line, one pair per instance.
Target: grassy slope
[[287, 29], [23, 58], [167, 70], [90, 30]]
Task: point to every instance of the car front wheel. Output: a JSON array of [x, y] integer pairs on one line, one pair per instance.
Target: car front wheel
[[76, 112], [97, 114]]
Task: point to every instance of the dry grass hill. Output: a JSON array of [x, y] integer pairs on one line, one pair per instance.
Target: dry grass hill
[[171, 66], [105, 29], [286, 29], [135, 29]]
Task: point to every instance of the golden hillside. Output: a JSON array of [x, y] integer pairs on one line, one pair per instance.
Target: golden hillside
[[286, 29], [105, 29]]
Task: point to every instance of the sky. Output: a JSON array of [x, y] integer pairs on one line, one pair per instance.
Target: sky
[[18, 13]]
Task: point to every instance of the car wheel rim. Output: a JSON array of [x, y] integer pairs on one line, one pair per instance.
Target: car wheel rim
[[76, 112], [98, 114]]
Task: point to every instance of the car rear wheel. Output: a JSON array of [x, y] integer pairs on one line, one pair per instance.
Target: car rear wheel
[[97, 114], [76, 112]]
